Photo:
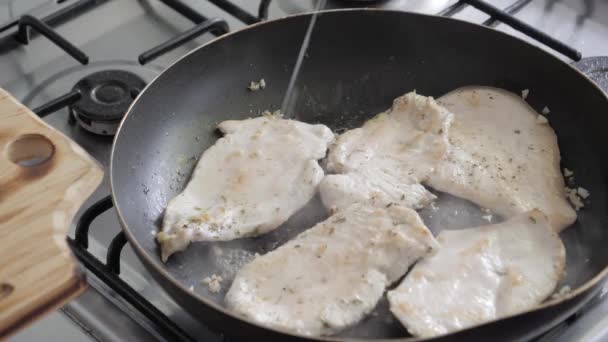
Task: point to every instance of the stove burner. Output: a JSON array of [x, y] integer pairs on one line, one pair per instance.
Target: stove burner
[[596, 68], [105, 99]]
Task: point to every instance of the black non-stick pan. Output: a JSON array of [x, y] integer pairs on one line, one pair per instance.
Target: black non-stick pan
[[358, 61]]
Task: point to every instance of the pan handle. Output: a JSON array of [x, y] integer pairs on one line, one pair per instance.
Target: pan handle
[[44, 179]]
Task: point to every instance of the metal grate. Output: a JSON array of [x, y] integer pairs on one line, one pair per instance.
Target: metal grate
[[505, 17], [109, 272], [202, 25], [44, 26]]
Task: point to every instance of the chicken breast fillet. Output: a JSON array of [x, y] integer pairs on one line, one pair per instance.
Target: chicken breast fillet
[[248, 183], [480, 274], [385, 160], [501, 156], [330, 276]]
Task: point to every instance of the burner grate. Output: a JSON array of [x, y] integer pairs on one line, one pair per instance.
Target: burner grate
[[216, 26], [44, 27], [203, 25], [504, 16], [109, 272], [511, 9]]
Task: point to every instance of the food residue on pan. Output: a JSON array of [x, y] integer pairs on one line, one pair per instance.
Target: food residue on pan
[[213, 282], [584, 193], [546, 110], [272, 114], [561, 293], [255, 86], [541, 120], [575, 198], [525, 93]]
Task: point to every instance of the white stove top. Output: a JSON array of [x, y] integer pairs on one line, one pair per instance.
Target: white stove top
[[115, 32]]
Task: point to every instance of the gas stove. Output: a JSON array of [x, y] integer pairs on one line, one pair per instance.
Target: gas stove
[[79, 64]]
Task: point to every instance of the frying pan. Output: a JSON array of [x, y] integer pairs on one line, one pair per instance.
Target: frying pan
[[358, 61]]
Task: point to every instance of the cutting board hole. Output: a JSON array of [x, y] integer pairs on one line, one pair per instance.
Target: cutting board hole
[[30, 150], [6, 290]]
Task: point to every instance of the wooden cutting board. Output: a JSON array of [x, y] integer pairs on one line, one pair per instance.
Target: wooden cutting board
[[44, 179]]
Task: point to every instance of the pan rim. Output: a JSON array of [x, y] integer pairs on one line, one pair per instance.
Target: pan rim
[[159, 266]]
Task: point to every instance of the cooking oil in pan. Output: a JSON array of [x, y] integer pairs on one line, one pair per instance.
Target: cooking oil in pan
[[290, 94]]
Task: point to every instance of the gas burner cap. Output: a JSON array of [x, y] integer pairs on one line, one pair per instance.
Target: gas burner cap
[[596, 68], [105, 98]]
